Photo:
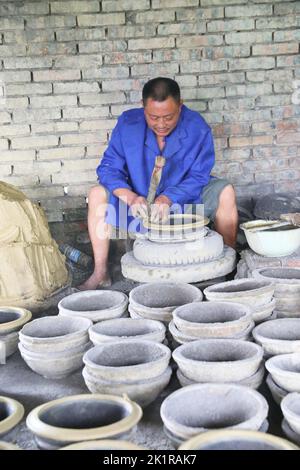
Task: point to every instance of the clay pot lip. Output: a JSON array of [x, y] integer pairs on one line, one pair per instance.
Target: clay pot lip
[[178, 353], [264, 286], [279, 321], [54, 339], [274, 365], [211, 437], [8, 327], [261, 404], [166, 355], [159, 284], [8, 446], [286, 408], [259, 274], [47, 431], [103, 444], [246, 313], [88, 293], [199, 223], [155, 326], [14, 418], [46, 357]]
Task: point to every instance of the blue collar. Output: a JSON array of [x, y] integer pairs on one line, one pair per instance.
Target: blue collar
[[173, 140]]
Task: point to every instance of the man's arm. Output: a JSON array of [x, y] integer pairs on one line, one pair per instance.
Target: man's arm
[[197, 177]]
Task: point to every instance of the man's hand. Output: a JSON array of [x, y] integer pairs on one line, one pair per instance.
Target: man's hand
[[160, 209], [139, 207]]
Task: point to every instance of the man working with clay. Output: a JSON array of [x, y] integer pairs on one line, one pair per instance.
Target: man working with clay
[[161, 154]]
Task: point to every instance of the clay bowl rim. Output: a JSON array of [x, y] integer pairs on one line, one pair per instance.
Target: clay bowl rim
[[158, 326], [211, 437], [276, 370], [47, 431], [244, 293], [25, 316], [265, 339], [258, 274], [14, 418], [199, 223], [115, 444], [288, 413], [122, 304]]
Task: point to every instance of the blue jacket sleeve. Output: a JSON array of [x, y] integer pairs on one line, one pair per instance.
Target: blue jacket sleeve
[[112, 171], [190, 188]]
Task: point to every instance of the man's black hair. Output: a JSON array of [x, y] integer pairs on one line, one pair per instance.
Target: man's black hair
[[160, 88]]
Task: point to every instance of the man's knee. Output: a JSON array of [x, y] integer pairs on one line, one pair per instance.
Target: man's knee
[[97, 194], [227, 197]]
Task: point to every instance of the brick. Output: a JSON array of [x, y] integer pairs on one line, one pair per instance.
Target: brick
[[115, 85], [288, 137], [55, 75], [250, 141], [61, 153], [74, 7], [79, 190], [247, 115], [103, 124], [275, 49], [74, 177], [151, 17], [102, 98], [29, 89], [3, 144], [124, 5], [248, 37], [177, 55], [34, 142], [276, 22], [249, 90], [102, 46], [12, 50], [53, 101], [105, 19], [196, 41], [36, 168], [4, 117], [95, 150], [86, 112], [24, 8], [288, 61], [28, 63], [28, 36], [31, 115], [80, 34], [212, 118], [282, 36], [284, 87], [221, 78], [81, 165], [181, 29], [11, 103], [155, 43], [233, 154], [44, 22], [76, 87], [230, 25], [251, 10], [174, 4], [54, 127], [204, 66], [263, 127], [220, 130], [76, 62], [186, 80], [20, 181], [231, 103], [44, 192], [204, 93], [194, 14], [5, 170], [199, 106], [275, 100], [287, 8], [14, 77], [277, 176], [154, 69], [252, 63], [17, 155], [51, 49], [131, 31], [75, 139], [130, 58], [228, 51], [117, 110], [106, 72], [11, 23], [208, 3], [270, 75], [12, 130]]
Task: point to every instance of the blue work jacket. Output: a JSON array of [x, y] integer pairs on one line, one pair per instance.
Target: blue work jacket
[[129, 159]]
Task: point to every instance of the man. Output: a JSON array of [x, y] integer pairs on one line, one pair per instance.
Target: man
[[164, 126]]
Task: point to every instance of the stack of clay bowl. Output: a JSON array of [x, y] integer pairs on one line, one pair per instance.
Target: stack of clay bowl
[[201, 407], [287, 289], [11, 413], [284, 375], [84, 417], [105, 444], [257, 294], [211, 320], [135, 367], [220, 361], [97, 305], [281, 336], [157, 300], [225, 439], [290, 407], [54, 346], [120, 329], [11, 321]]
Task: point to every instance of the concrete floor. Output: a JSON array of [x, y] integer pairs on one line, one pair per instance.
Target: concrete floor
[[19, 382]]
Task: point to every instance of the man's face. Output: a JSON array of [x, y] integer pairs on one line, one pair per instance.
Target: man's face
[[162, 116]]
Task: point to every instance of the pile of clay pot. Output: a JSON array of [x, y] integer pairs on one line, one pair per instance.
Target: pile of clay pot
[[11, 321]]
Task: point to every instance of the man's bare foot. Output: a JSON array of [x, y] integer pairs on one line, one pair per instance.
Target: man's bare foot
[[96, 280]]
